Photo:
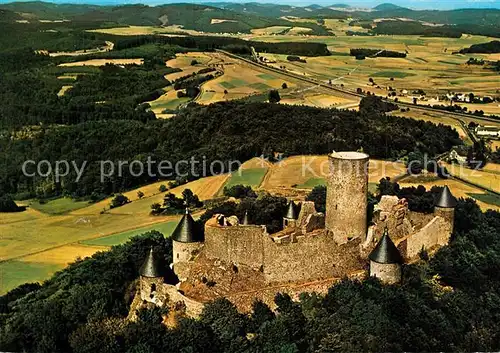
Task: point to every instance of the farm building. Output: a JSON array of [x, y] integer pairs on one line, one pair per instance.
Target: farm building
[[488, 131]]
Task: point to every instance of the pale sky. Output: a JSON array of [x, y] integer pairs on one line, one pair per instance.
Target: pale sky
[[414, 4]]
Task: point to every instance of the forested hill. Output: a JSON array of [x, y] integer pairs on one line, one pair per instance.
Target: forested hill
[[237, 17], [225, 131], [190, 16], [485, 17], [484, 48]]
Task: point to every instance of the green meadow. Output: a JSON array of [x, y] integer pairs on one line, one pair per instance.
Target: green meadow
[[115, 239], [251, 177]]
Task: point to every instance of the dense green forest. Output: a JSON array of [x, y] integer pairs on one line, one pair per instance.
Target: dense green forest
[[484, 48], [376, 53], [449, 302], [237, 45], [416, 28], [209, 132]]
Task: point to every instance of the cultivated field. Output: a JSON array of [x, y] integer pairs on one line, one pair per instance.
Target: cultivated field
[[430, 65], [316, 98], [458, 189], [436, 118], [57, 206], [35, 244], [183, 62], [487, 178], [241, 80], [63, 90], [309, 171], [170, 31], [169, 101]]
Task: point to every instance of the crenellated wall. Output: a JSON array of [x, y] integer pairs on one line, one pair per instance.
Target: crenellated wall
[[287, 255], [236, 244], [435, 233], [311, 257]]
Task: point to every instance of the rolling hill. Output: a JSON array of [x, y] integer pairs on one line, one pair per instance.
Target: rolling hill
[[190, 16], [241, 17]]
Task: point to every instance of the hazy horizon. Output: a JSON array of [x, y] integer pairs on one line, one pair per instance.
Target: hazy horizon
[[413, 4]]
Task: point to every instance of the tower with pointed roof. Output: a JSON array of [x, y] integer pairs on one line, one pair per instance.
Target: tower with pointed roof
[[386, 260], [292, 215], [445, 208], [151, 278], [187, 239], [245, 219]]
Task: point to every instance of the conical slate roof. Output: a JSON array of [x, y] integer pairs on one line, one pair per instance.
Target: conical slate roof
[[186, 231], [245, 219], [446, 199], [386, 252], [292, 212], [151, 266]]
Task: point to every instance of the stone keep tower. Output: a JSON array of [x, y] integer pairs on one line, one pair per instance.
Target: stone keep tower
[[151, 279], [386, 260], [346, 198], [445, 208], [187, 239]]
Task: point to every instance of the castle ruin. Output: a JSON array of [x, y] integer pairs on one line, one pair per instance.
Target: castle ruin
[[243, 262]]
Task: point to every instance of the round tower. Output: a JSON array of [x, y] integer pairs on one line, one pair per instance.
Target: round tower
[[445, 208], [386, 260], [187, 239], [151, 277], [346, 198]]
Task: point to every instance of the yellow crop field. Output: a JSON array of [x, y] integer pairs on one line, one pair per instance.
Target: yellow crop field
[[492, 168], [436, 118], [459, 190], [183, 62], [170, 31], [269, 30], [488, 178], [304, 170], [15, 217], [299, 30], [430, 64], [64, 255], [27, 237], [63, 90], [102, 62], [169, 100], [320, 100], [205, 188], [240, 80], [34, 245]]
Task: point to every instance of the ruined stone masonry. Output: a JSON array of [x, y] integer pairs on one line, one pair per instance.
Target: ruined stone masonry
[[242, 261]]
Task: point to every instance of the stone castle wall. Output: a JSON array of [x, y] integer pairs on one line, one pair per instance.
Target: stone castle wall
[[312, 257], [240, 244], [292, 257], [435, 233], [346, 199]]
